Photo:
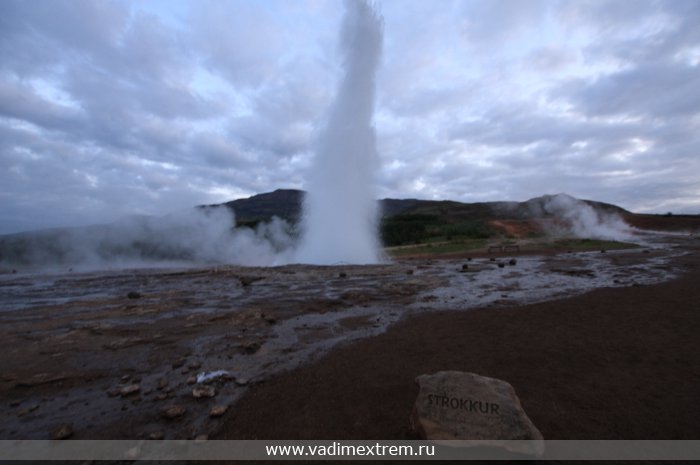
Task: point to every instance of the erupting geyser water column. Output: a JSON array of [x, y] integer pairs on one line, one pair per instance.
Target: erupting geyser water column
[[340, 222]]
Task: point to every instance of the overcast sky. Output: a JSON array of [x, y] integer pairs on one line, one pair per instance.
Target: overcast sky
[[114, 108]]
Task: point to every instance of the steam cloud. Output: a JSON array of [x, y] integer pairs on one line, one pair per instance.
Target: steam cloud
[[340, 209], [203, 235], [582, 220]]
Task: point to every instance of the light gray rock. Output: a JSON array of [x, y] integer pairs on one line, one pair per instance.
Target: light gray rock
[[460, 406]]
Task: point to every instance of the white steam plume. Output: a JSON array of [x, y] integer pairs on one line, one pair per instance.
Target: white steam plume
[[340, 220], [582, 220], [194, 236]]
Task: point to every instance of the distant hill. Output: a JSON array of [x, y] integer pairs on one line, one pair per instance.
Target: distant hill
[[286, 204], [204, 233]]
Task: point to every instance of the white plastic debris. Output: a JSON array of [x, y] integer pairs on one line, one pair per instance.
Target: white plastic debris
[[207, 377]]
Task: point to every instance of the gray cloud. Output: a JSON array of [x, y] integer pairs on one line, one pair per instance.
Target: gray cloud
[[107, 109]]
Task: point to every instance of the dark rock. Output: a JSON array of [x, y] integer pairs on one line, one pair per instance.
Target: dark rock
[[512, 262], [172, 411], [465, 267], [129, 390], [342, 274], [218, 410], [63, 431], [203, 391], [501, 265], [156, 435], [133, 295], [409, 272]]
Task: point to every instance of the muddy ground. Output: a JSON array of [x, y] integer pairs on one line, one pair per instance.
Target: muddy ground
[[126, 353]]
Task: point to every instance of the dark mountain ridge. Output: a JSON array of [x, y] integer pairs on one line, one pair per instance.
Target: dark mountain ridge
[[286, 204]]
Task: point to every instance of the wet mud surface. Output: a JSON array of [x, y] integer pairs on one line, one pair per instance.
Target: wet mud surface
[[165, 353]]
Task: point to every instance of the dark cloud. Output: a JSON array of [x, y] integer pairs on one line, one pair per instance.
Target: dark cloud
[[116, 107]]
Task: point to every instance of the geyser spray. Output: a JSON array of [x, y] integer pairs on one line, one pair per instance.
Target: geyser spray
[[340, 211]]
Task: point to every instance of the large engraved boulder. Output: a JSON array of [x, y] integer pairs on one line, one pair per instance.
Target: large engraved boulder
[[466, 407]]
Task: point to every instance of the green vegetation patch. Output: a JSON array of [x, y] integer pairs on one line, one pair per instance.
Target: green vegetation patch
[[591, 244]]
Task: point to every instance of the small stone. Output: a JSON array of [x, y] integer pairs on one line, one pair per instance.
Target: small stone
[[162, 384], [513, 262], [191, 380], [501, 265], [602, 251], [251, 347], [124, 378], [129, 390], [161, 396], [172, 411], [133, 295], [218, 410], [465, 267], [492, 259], [201, 438], [156, 435], [203, 391], [178, 363], [194, 365], [114, 391], [27, 410], [15, 403], [62, 432], [342, 274], [242, 381], [409, 272]]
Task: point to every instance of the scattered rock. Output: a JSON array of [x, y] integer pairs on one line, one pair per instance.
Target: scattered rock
[[63, 431], [15, 403], [248, 280], [242, 381], [203, 391], [455, 405], [129, 390], [201, 438], [602, 250], [178, 363], [409, 272], [194, 365], [156, 435], [250, 347], [191, 380], [161, 396], [342, 274], [162, 383], [133, 295], [501, 265], [492, 259], [512, 262], [27, 410], [172, 411], [465, 267], [218, 410]]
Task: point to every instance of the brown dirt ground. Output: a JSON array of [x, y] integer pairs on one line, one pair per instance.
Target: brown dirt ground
[[616, 363]]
